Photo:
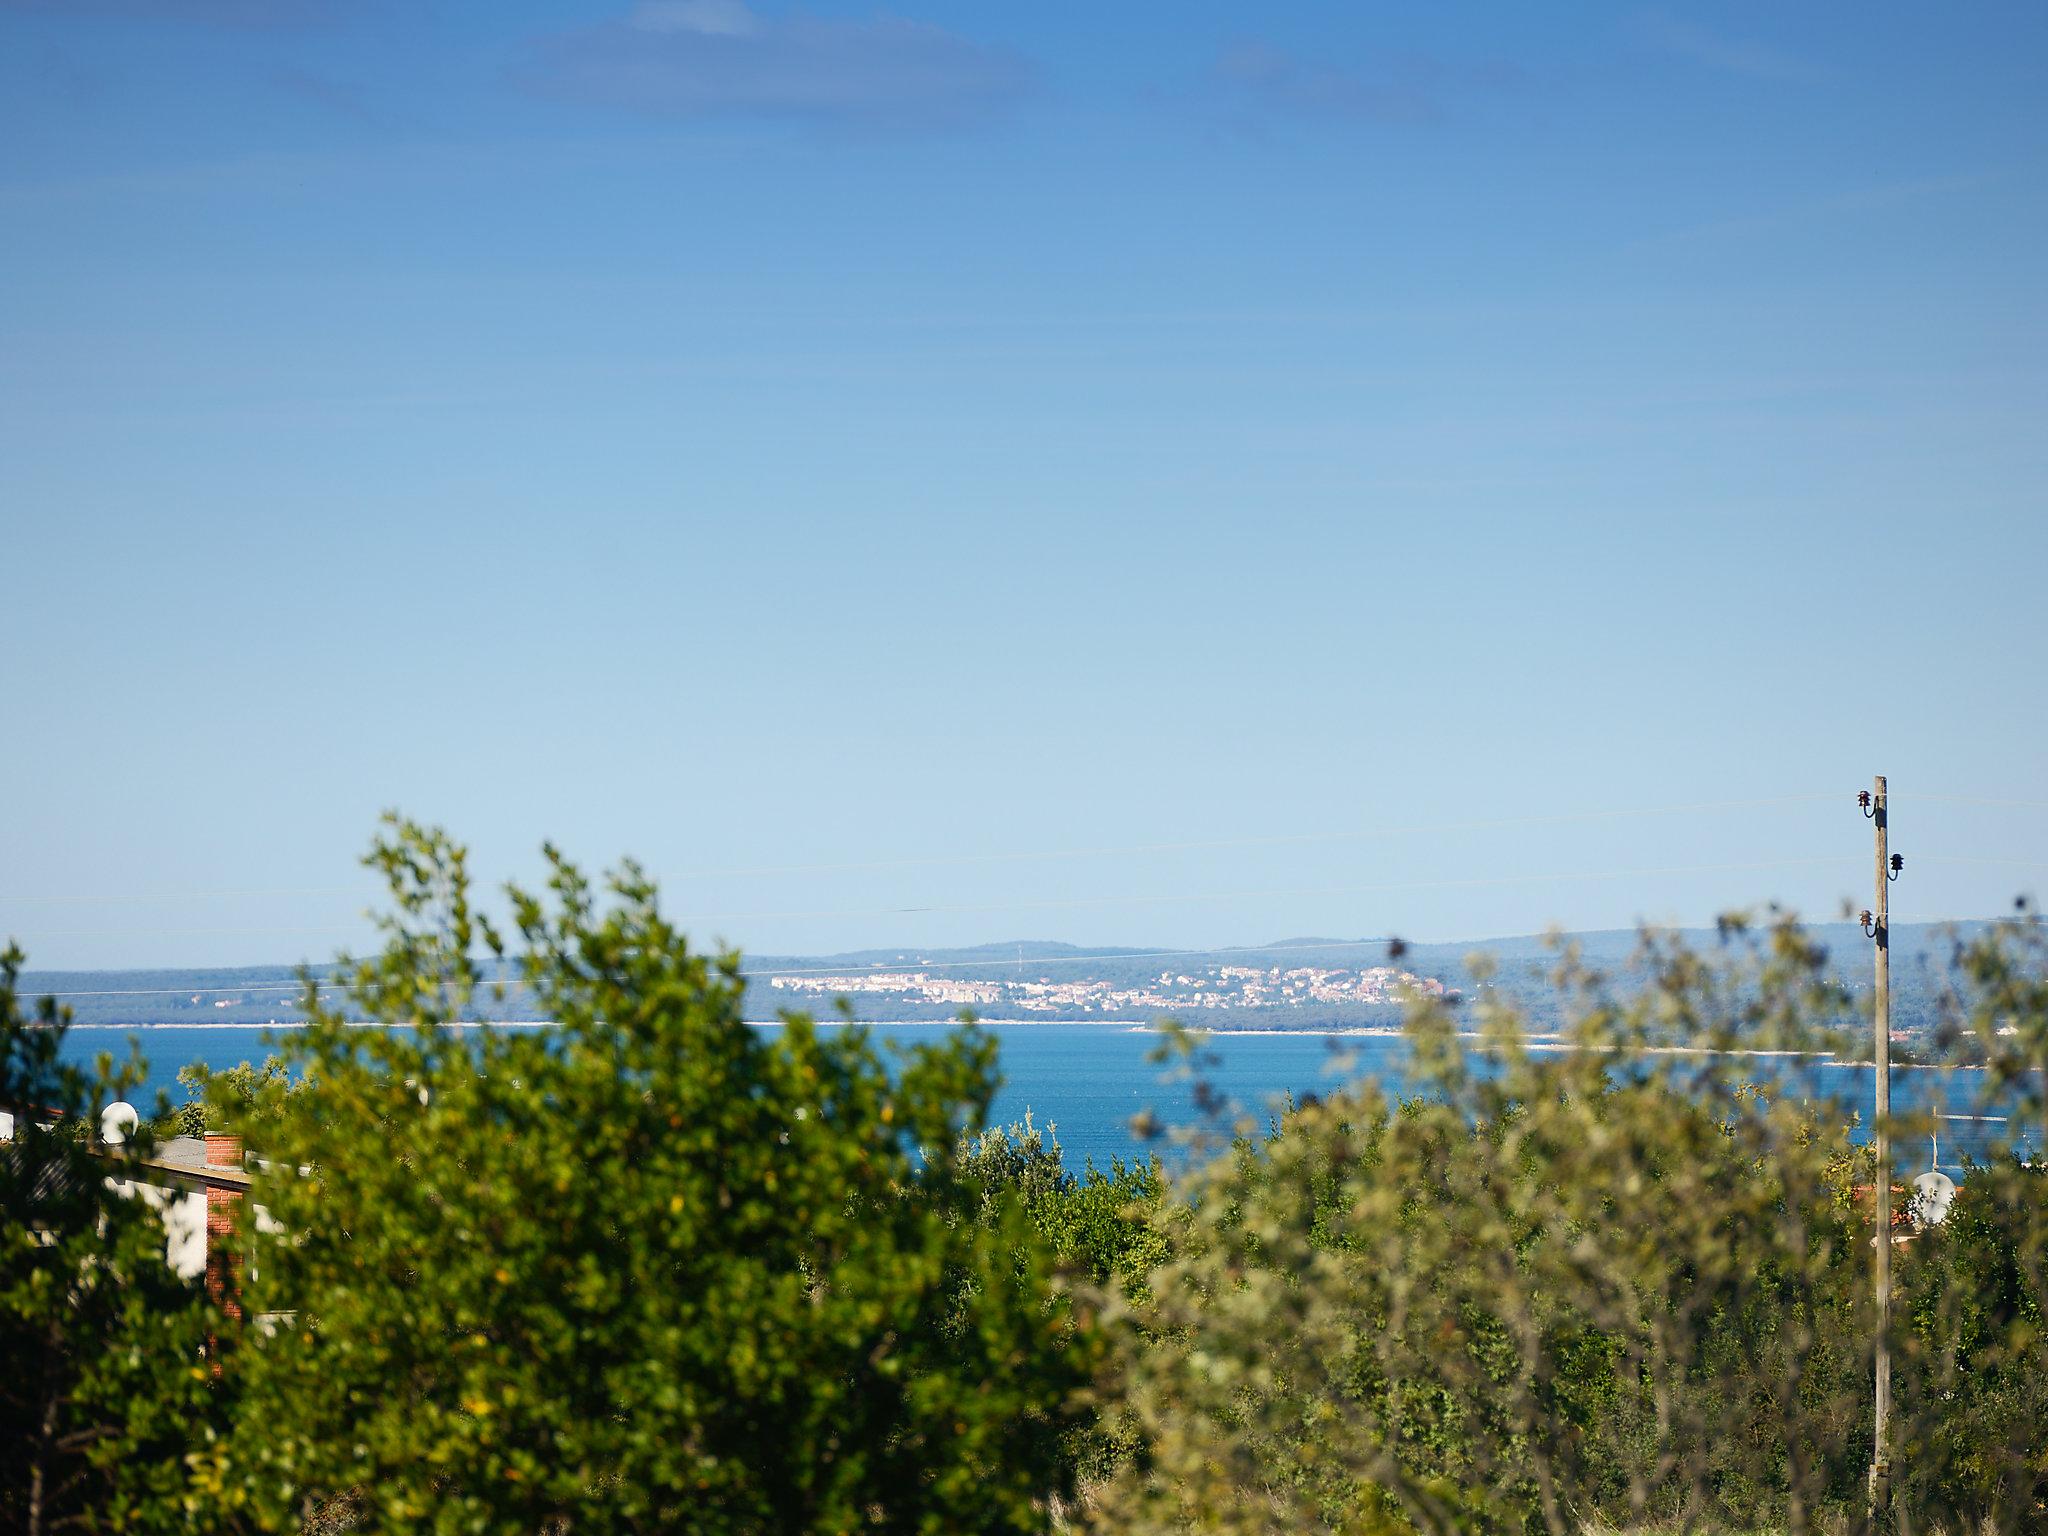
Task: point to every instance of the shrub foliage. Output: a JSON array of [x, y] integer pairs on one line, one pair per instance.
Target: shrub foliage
[[104, 1385], [655, 1269], [651, 1270], [1610, 1285]]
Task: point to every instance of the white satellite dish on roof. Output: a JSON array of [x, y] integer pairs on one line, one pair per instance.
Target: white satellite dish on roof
[[116, 1121], [1933, 1191]]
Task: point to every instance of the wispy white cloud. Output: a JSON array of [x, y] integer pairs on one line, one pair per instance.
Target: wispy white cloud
[[221, 13], [1730, 55], [328, 94], [1259, 78], [1774, 220], [1253, 82], [700, 58]]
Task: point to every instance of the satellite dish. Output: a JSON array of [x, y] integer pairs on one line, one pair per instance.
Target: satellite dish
[[1933, 1193], [116, 1121]]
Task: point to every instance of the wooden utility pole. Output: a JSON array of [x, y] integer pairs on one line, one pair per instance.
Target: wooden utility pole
[[1880, 1462]]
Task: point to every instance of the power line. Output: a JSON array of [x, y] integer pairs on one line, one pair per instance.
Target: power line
[[182, 933], [1963, 858], [266, 986], [1391, 885], [142, 896], [1052, 960], [848, 968], [1018, 856], [1058, 903], [1262, 841], [1174, 897], [1274, 840], [2026, 805], [1068, 902], [854, 967]]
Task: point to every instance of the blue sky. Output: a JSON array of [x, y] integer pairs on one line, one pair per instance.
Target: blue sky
[[818, 450]]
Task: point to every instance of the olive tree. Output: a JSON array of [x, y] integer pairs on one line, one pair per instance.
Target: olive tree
[[1971, 1447], [1604, 1284]]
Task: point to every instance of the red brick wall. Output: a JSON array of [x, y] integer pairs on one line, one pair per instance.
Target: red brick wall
[[223, 1264]]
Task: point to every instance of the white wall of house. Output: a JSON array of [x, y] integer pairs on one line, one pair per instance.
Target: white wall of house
[[184, 1218]]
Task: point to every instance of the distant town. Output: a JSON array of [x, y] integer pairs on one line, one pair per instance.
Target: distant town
[[1201, 987]]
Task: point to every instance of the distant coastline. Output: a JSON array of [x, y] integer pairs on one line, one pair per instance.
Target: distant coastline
[[1308, 986]]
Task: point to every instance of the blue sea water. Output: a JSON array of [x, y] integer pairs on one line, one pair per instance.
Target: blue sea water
[[1088, 1081]]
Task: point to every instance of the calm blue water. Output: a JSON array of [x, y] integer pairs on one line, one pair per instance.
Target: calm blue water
[[1088, 1080]]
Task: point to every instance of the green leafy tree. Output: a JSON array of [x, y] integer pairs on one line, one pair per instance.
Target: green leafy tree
[[1103, 1228], [651, 1270], [1971, 1449], [1101, 1224], [1607, 1284], [105, 1388], [256, 1093]]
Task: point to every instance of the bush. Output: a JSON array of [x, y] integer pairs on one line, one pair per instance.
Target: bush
[[1105, 1230], [652, 1269], [1102, 1225], [656, 1269], [106, 1387], [1609, 1286], [241, 1094]]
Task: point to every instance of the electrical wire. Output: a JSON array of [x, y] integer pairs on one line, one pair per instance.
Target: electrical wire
[[142, 896], [2024, 805], [934, 861], [1059, 903], [931, 861], [1176, 897], [1295, 839], [1963, 858], [851, 967], [699, 919], [1608, 874]]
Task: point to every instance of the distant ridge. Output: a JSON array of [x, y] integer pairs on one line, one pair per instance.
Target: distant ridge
[[1009, 949], [267, 994]]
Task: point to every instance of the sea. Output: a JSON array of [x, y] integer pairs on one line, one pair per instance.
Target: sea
[[1088, 1084]]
